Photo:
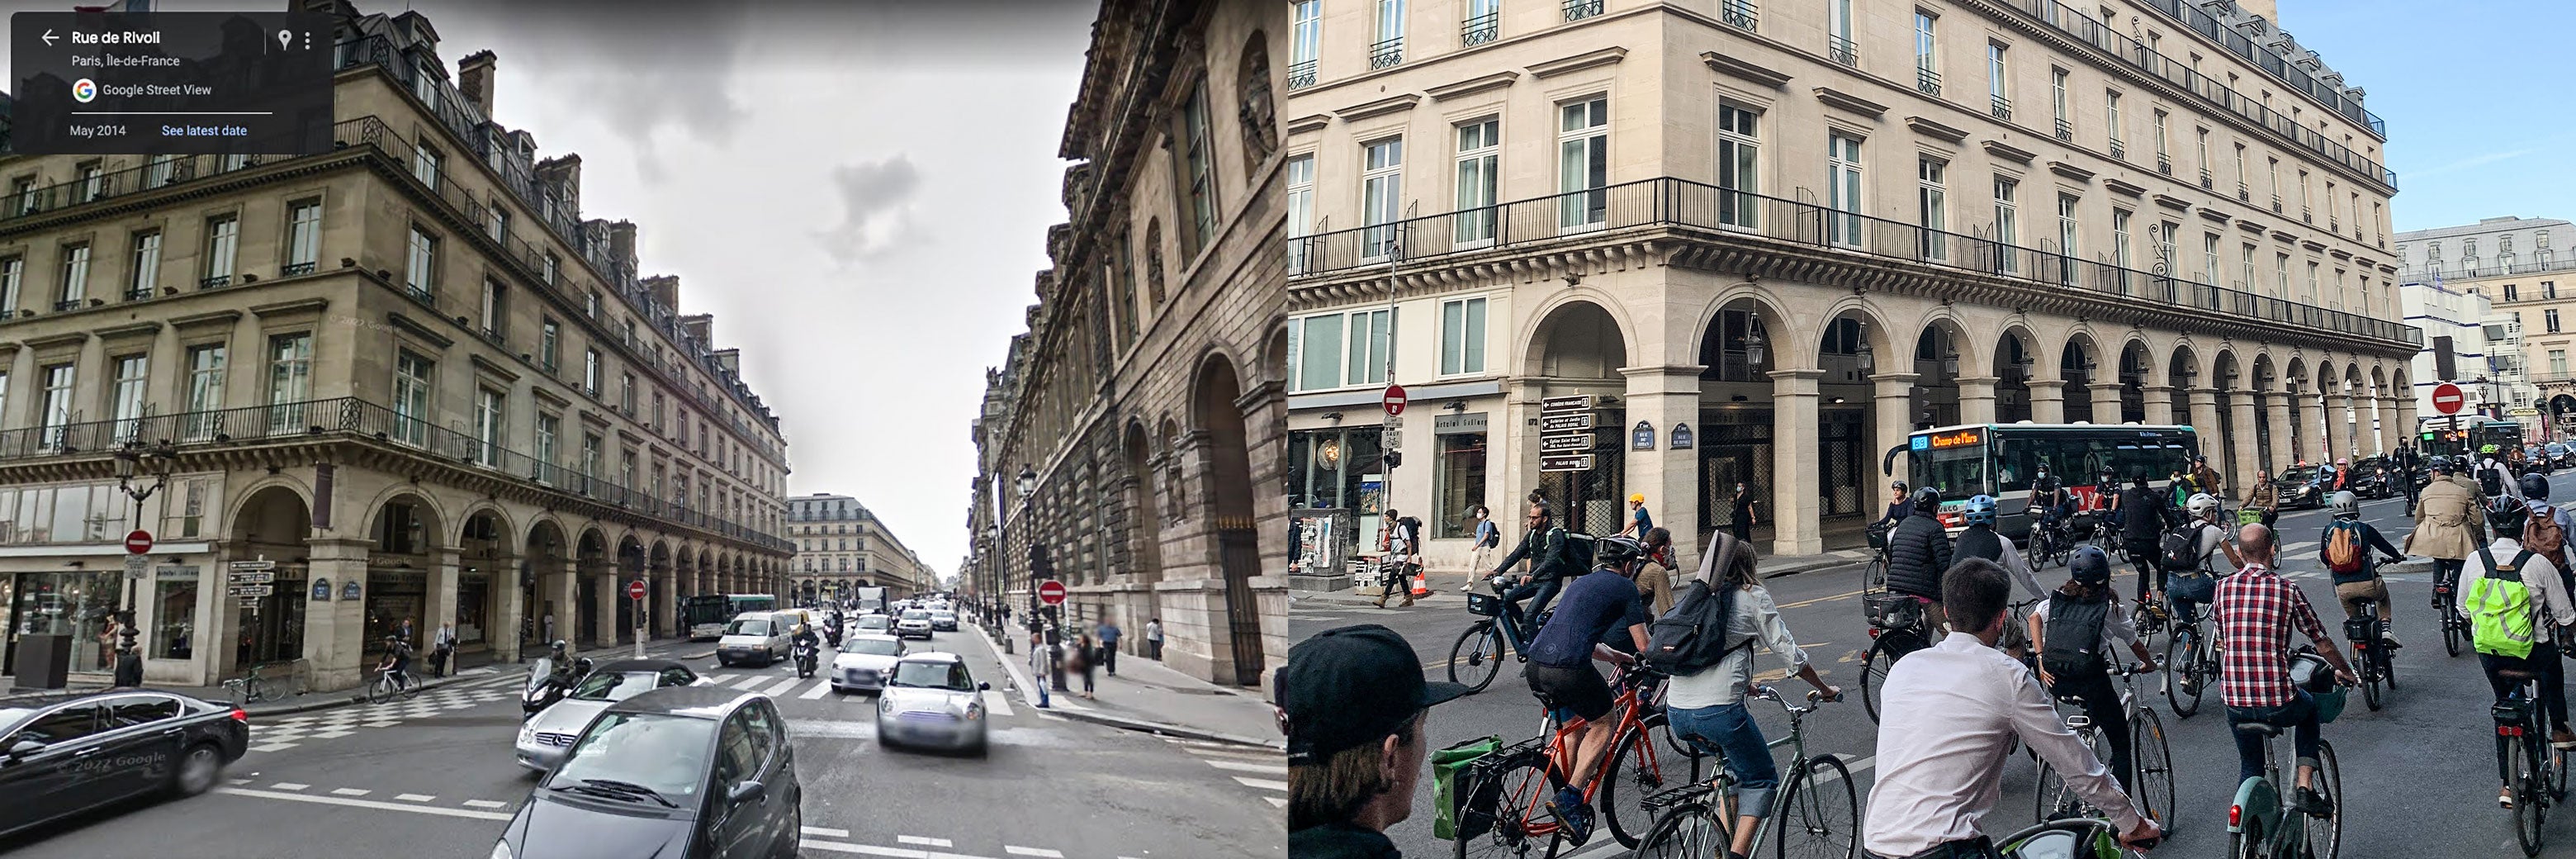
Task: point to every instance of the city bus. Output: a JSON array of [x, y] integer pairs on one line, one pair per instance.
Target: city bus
[[1998, 460], [2440, 438], [707, 614]]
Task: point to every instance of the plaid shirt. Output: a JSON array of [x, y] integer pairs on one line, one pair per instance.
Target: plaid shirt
[[2255, 610]]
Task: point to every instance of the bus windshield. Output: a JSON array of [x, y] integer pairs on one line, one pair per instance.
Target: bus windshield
[[1958, 472]]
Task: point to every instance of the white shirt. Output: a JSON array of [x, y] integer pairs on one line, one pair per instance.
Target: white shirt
[[1948, 716], [1755, 617], [2019, 568], [2548, 595]]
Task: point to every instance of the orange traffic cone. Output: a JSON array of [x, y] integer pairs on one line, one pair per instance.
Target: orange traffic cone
[[1421, 583]]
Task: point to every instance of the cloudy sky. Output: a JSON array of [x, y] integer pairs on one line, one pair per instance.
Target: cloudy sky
[[858, 191]]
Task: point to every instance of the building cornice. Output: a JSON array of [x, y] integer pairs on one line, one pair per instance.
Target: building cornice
[[1470, 86], [1745, 70], [1577, 62]]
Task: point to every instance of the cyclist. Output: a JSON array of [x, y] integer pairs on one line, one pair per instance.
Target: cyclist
[[1544, 546], [2264, 497], [2345, 548], [1706, 707], [2256, 612], [397, 662], [2408, 463], [2504, 592], [2050, 504], [1560, 668], [1979, 540], [1952, 712], [2450, 523], [2144, 513], [2535, 489], [2205, 476], [1917, 551], [2494, 477], [2088, 623], [1898, 507], [2342, 475]]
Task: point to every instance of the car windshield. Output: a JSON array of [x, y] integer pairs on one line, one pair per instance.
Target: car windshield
[[662, 752], [874, 621], [933, 675], [2301, 475], [872, 647], [748, 626], [916, 614], [614, 687]]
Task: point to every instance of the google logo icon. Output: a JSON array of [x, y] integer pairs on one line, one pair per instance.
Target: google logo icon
[[84, 90]]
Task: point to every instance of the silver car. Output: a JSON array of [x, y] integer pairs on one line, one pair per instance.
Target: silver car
[[915, 622], [864, 662], [932, 701], [546, 737]]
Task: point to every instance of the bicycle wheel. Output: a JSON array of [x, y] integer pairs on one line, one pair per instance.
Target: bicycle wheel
[[380, 691], [1873, 671], [2153, 785], [2369, 680], [1636, 772], [2388, 668], [2247, 843], [1819, 815], [1477, 656], [256, 689], [1519, 816], [2325, 837], [2519, 754], [2182, 661], [1873, 578], [1682, 762], [2450, 632], [1692, 830]]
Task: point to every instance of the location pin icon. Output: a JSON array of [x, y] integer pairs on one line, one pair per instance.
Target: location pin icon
[[283, 37]]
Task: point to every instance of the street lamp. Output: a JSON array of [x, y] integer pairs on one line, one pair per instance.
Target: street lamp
[[132, 461]]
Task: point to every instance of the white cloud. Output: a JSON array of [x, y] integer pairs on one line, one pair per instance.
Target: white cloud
[[875, 208]]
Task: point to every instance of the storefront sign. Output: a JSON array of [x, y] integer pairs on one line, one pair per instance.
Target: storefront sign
[[1643, 437], [321, 589], [1447, 424], [349, 590], [1681, 438], [175, 571]]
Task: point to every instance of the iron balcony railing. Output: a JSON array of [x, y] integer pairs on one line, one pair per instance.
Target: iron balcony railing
[[1741, 15], [1301, 74], [2002, 108], [1927, 81], [1480, 29], [2236, 42], [1842, 50], [1576, 10], [1387, 53], [2414, 273], [1668, 203], [158, 173], [2065, 131]]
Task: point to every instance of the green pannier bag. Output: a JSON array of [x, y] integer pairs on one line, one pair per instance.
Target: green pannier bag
[[1449, 766]]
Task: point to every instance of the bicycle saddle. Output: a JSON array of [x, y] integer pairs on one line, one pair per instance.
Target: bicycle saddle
[[2260, 729]]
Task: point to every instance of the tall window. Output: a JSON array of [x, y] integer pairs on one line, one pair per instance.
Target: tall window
[[2549, 319], [1372, 345], [1739, 159], [419, 264], [548, 426], [494, 307], [1479, 154], [2164, 159], [590, 372], [12, 270], [1462, 336], [290, 379], [1927, 55], [2245, 260], [590, 449], [58, 403], [2281, 276], [304, 237], [125, 398], [1842, 184], [1305, 36], [1381, 193], [2305, 205], [223, 244], [549, 343], [1388, 48], [1301, 223], [2111, 121], [411, 398], [147, 265], [205, 389], [2558, 363], [1198, 171], [1838, 33], [424, 165], [75, 285], [2200, 154], [2310, 296], [1583, 162], [499, 224], [2242, 193], [1316, 344], [1998, 87], [2120, 245], [2007, 223], [552, 266], [2066, 246], [488, 424], [2209, 258], [1929, 197], [626, 393], [2272, 171]]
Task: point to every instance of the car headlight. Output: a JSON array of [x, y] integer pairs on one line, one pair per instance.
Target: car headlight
[[501, 850], [527, 731], [974, 711]]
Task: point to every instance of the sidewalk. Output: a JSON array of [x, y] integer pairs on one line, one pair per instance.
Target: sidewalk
[[308, 701], [1445, 584], [1145, 696]]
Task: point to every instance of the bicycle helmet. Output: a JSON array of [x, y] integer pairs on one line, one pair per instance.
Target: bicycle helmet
[[1617, 551], [2487, 449], [1899, 486], [2346, 505], [1981, 510], [2535, 488], [2506, 515], [1927, 500], [2440, 464], [2090, 565], [2201, 504]]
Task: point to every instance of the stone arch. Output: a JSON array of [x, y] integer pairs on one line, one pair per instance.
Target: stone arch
[[1955, 334], [1144, 521], [2137, 367], [1253, 112], [405, 521], [1227, 457], [2182, 370], [1736, 415], [1853, 347], [2016, 363], [272, 521], [1577, 338], [2079, 362]]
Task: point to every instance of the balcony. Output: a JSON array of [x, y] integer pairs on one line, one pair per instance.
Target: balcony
[[1842, 50], [2307, 215], [2276, 204], [1480, 29], [68, 305], [2164, 164], [2204, 179], [2244, 194], [2065, 131], [215, 282], [1740, 15], [2002, 108], [2118, 150], [1387, 54], [295, 268], [1706, 213], [1577, 10], [140, 293], [422, 295], [1927, 81], [1301, 74]]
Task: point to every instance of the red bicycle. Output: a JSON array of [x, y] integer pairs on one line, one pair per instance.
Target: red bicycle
[[1504, 799]]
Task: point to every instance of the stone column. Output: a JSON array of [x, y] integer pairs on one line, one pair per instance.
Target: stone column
[[2159, 401], [562, 586], [508, 608], [2249, 456], [2204, 420], [1976, 400], [441, 591], [2341, 422], [2047, 401], [2393, 424], [2406, 411], [1795, 503], [89, 384], [665, 597], [335, 632], [1667, 397], [1894, 411], [2276, 409], [605, 598]]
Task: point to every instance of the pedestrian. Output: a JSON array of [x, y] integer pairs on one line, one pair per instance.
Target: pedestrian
[[1038, 660], [1080, 660], [1154, 638], [442, 649], [107, 635], [1401, 542], [1489, 536], [1740, 522], [406, 631], [1705, 703], [1109, 635], [1353, 704], [1639, 521]]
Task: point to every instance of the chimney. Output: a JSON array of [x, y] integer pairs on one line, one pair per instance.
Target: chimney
[[474, 77], [730, 360], [2266, 9], [665, 290], [621, 243]]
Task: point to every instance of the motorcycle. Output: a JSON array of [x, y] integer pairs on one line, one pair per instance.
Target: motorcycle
[[546, 685], [804, 660], [2374, 486]]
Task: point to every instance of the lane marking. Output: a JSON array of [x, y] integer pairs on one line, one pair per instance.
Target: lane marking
[[486, 803], [1263, 783], [997, 702], [781, 687], [364, 803], [288, 785], [1809, 602], [350, 791], [1239, 766], [1277, 802], [873, 850], [827, 831], [1223, 754], [414, 797], [821, 687], [751, 681], [925, 842], [1033, 851]]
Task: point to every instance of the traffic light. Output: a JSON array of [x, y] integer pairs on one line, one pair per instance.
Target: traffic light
[[1392, 459], [1040, 566]]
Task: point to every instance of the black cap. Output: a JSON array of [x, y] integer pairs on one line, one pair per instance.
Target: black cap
[[1352, 686]]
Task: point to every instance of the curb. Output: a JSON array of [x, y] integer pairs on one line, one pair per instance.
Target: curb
[[1028, 694]]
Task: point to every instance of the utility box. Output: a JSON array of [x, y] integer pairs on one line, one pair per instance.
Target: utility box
[[44, 661]]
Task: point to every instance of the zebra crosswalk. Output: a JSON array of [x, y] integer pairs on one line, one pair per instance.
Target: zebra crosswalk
[[816, 688], [1265, 772]]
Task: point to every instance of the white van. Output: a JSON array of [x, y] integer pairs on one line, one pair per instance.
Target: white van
[[755, 635]]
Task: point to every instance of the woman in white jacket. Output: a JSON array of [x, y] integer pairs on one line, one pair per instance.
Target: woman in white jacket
[[1707, 708]]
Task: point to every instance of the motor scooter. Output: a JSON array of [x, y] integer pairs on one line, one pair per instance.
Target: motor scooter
[[804, 660], [546, 685]]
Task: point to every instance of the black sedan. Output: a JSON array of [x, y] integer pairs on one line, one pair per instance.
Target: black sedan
[[2560, 455], [64, 753], [2299, 488], [674, 773]]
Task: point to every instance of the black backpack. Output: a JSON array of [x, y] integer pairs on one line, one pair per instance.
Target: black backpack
[[1578, 552], [1692, 636], [2073, 647], [2179, 549], [2491, 480]]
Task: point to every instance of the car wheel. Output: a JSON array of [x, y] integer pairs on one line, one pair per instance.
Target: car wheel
[[197, 770], [793, 844]]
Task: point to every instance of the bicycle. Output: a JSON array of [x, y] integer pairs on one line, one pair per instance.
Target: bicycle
[[389, 683], [2049, 543], [1505, 811], [2151, 785], [2370, 656], [2455, 629], [253, 687], [1873, 575], [2535, 772], [1695, 821], [1896, 627], [2255, 818], [2191, 660], [1483, 659]]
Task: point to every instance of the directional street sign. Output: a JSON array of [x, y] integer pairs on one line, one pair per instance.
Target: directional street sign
[[247, 566], [1571, 443], [1572, 462], [1576, 403], [1565, 423], [256, 577], [249, 590]]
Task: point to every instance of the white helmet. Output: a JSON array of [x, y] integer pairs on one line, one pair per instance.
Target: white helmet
[[2202, 504]]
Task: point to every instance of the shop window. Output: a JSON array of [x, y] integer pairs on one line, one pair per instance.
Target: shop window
[[1461, 482], [175, 614]]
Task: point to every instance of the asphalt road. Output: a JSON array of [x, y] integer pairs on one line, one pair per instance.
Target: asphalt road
[[2419, 776], [434, 777]]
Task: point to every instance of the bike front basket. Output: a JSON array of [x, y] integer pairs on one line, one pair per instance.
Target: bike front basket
[[1893, 611], [1487, 605]]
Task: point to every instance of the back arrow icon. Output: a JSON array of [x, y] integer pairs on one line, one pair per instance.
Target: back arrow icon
[[49, 38]]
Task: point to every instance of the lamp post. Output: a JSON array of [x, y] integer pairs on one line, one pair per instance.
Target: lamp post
[[132, 461]]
